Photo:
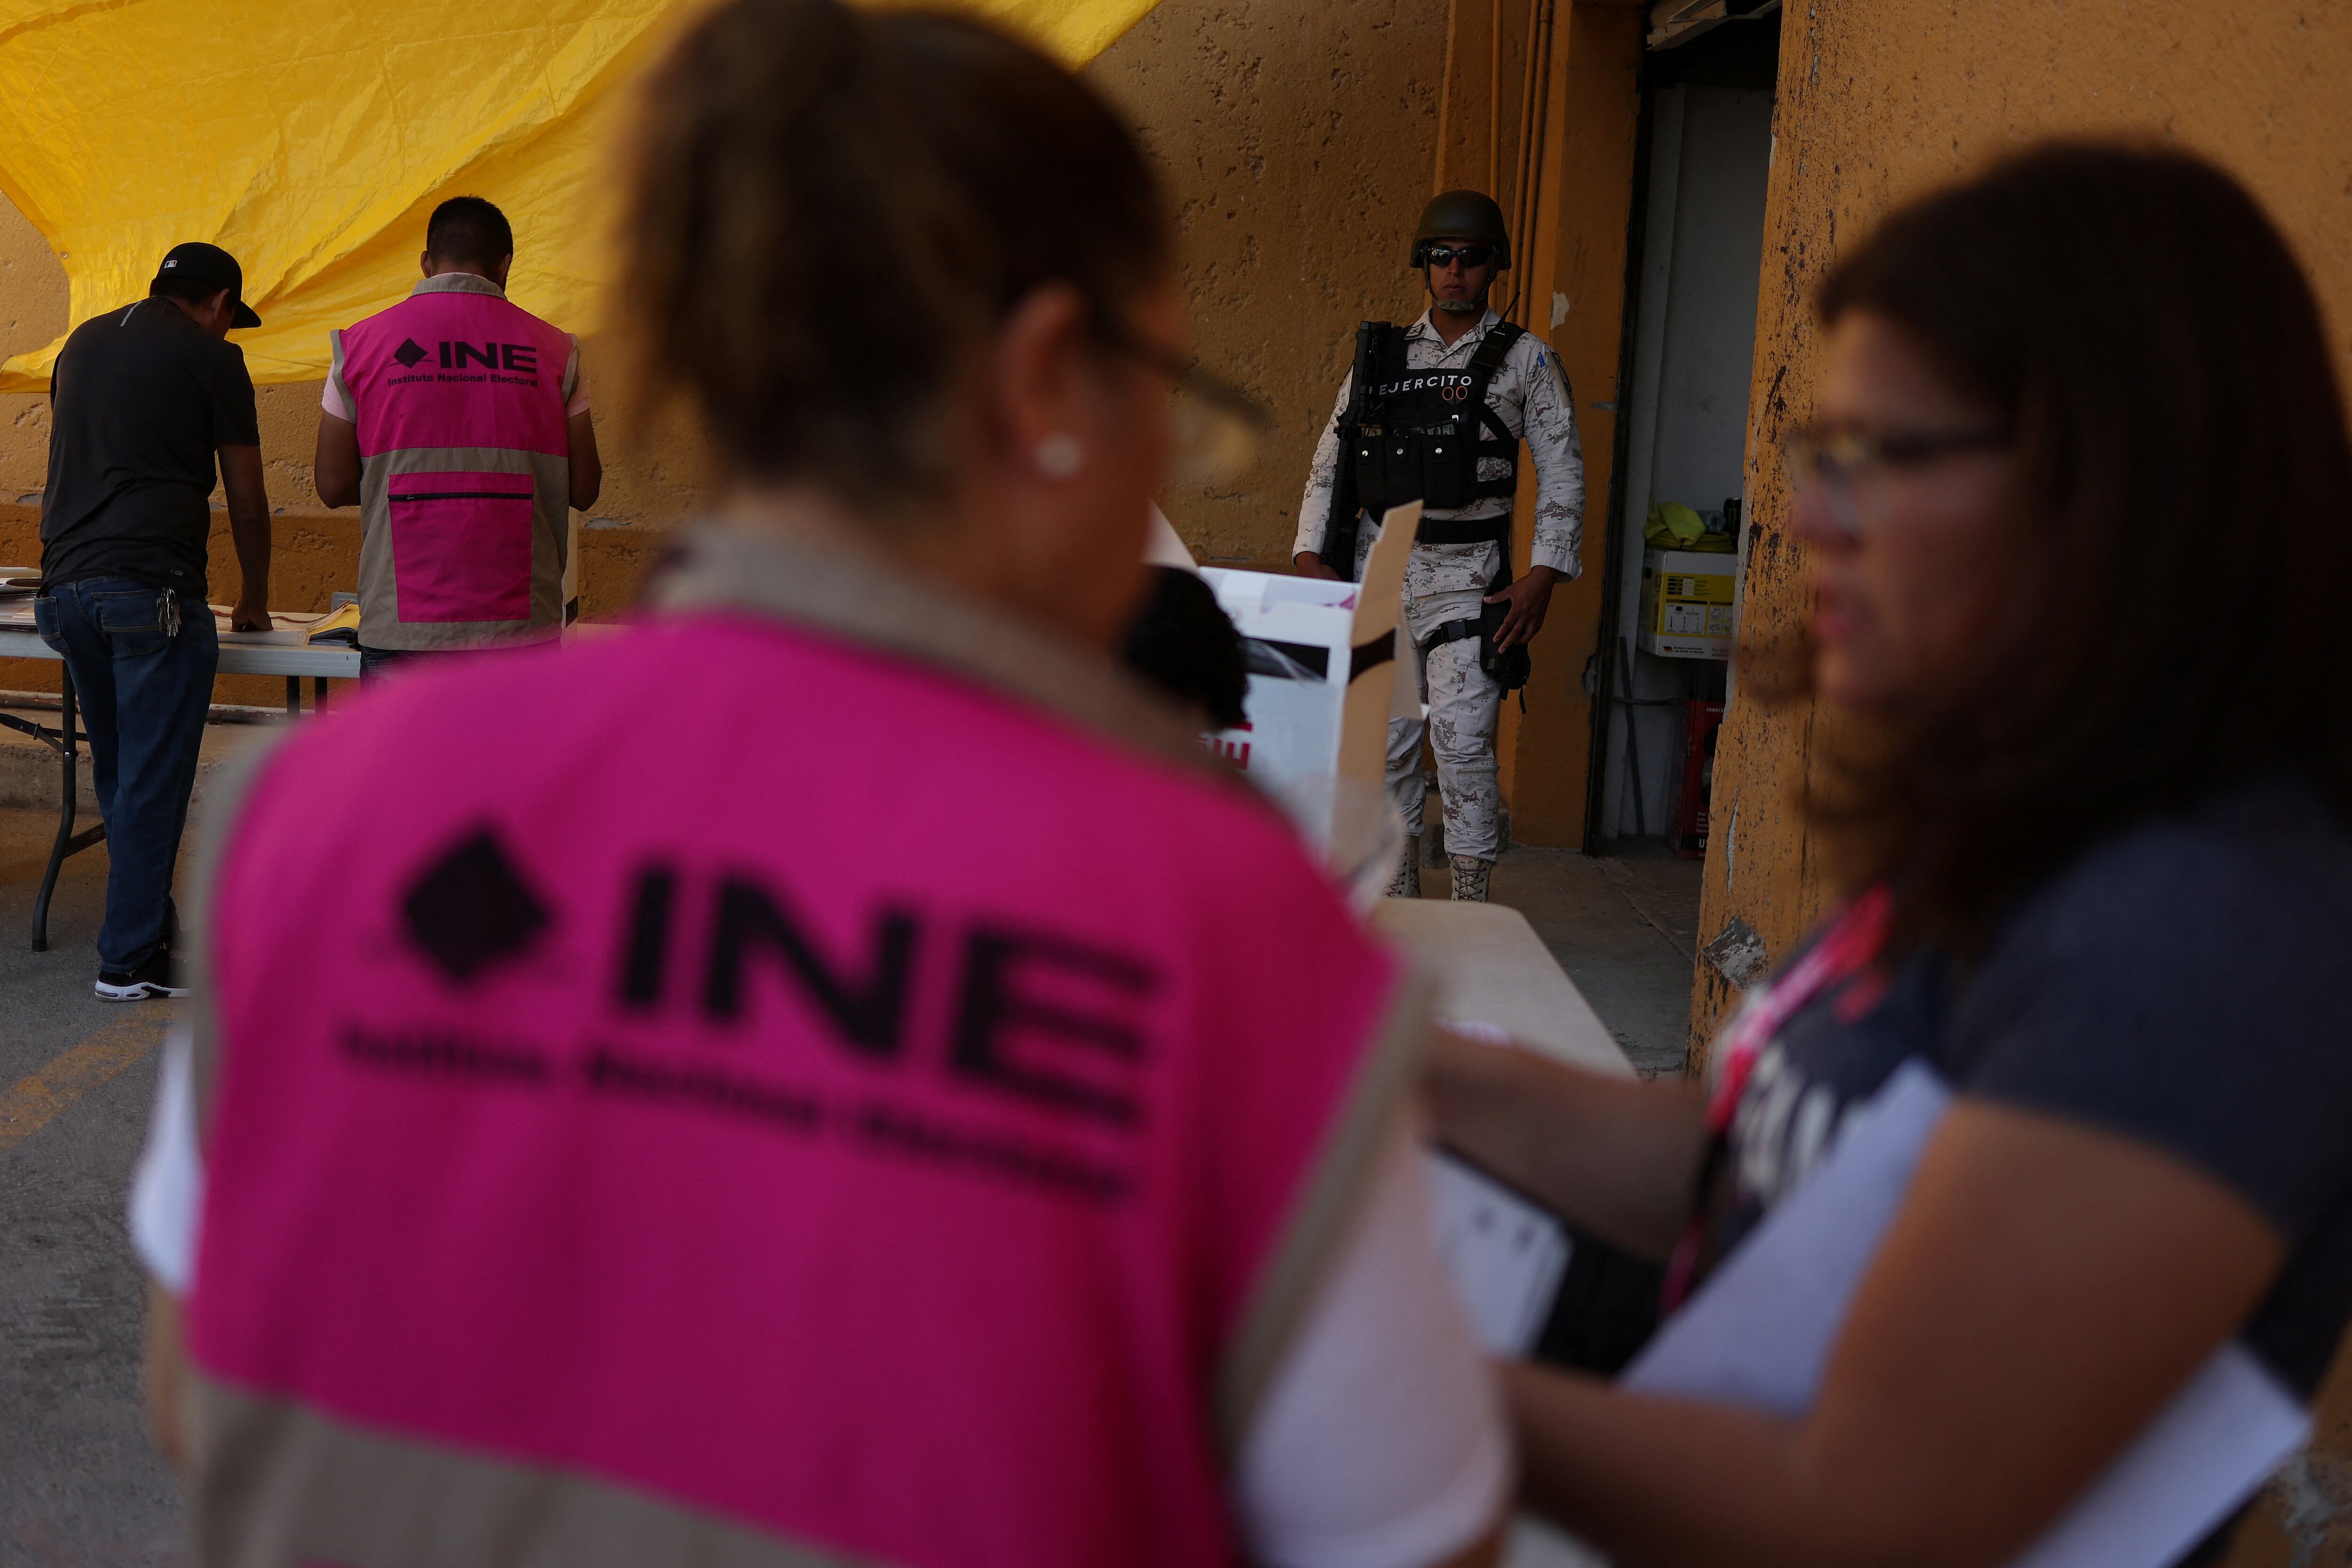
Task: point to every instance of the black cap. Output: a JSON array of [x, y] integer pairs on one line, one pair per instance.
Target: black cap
[[212, 268]]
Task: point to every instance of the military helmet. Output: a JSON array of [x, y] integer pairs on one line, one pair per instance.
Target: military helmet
[[1462, 214]]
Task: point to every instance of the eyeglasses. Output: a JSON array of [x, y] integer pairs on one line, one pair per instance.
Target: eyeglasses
[[1214, 429], [1448, 255], [1837, 462]]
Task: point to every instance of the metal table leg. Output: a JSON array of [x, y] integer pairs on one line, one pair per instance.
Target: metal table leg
[[67, 841], [318, 694], [293, 696]]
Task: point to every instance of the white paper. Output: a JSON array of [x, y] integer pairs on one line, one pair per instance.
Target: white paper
[[1505, 1254], [1290, 735], [1758, 1334]]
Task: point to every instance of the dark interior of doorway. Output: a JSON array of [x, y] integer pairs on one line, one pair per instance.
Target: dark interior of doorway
[[1740, 54]]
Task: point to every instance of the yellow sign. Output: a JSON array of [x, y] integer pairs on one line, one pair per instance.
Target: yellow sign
[[314, 138], [1704, 587]]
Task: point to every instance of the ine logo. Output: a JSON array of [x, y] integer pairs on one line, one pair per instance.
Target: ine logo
[[515, 358], [470, 909], [1055, 1020], [408, 354]]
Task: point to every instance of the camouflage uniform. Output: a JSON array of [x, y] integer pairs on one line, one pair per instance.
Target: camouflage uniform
[[1448, 581]]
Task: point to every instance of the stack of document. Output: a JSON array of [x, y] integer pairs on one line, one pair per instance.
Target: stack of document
[[1760, 1330], [342, 626]]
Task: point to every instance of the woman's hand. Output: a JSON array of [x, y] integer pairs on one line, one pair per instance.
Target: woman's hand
[[1618, 1156], [2045, 1289]]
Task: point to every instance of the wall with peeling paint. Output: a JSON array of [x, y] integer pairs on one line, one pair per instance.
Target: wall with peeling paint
[[2304, 1517]]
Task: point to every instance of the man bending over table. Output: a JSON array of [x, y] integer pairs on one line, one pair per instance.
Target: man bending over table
[[144, 401]]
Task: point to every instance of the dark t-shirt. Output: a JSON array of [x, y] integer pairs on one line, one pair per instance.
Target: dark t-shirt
[[140, 399], [2187, 984]]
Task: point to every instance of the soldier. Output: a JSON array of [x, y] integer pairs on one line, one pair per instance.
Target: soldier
[[1443, 405]]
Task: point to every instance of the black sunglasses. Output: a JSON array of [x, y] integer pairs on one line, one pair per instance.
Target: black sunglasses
[[1448, 255]]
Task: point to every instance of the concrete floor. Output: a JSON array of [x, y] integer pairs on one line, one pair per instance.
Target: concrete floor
[[80, 1486]]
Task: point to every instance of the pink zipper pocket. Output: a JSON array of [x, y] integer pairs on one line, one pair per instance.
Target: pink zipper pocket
[[461, 545]]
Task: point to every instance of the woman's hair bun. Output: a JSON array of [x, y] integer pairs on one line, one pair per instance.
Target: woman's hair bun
[[826, 206]]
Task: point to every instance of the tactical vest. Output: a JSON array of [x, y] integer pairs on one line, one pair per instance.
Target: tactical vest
[[1418, 435], [588, 1181], [465, 468]]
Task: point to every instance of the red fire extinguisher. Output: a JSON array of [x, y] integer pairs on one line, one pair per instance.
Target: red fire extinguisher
[[1701, 721]]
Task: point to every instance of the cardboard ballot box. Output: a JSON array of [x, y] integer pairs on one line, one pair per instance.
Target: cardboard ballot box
[[1686, 604], [1296, 634], [1329, 668]]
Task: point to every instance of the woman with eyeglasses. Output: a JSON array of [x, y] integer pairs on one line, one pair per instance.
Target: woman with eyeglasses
[[836, 1071], [2076, 1031]]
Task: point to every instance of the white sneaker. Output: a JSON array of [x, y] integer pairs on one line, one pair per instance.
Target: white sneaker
[[154, 978]]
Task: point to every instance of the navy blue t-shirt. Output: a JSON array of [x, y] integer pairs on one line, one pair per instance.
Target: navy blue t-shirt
[[2187, 984]]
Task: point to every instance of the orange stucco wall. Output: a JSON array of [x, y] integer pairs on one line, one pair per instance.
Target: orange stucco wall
[[1297, 141], [1574, 254]]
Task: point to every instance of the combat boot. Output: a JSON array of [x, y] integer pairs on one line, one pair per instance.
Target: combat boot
[[1470, 875], [1406, 884]]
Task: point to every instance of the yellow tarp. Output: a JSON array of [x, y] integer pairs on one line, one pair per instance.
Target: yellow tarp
[[312, 139]]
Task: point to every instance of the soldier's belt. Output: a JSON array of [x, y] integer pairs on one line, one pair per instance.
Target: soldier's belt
[[1459, 531]]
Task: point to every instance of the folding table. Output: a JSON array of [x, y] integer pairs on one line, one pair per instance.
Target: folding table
[[280, 651]]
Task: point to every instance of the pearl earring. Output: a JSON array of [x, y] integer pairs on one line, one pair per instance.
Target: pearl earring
[[1059, 456]]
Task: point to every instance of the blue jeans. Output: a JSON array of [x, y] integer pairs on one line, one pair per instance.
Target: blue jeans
[[378, 662], [143, 697]]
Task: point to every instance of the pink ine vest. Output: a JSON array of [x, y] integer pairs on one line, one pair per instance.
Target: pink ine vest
[[465, 484], [694, 1147]]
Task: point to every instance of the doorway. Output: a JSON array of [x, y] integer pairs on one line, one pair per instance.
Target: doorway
[[1690, 334]]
